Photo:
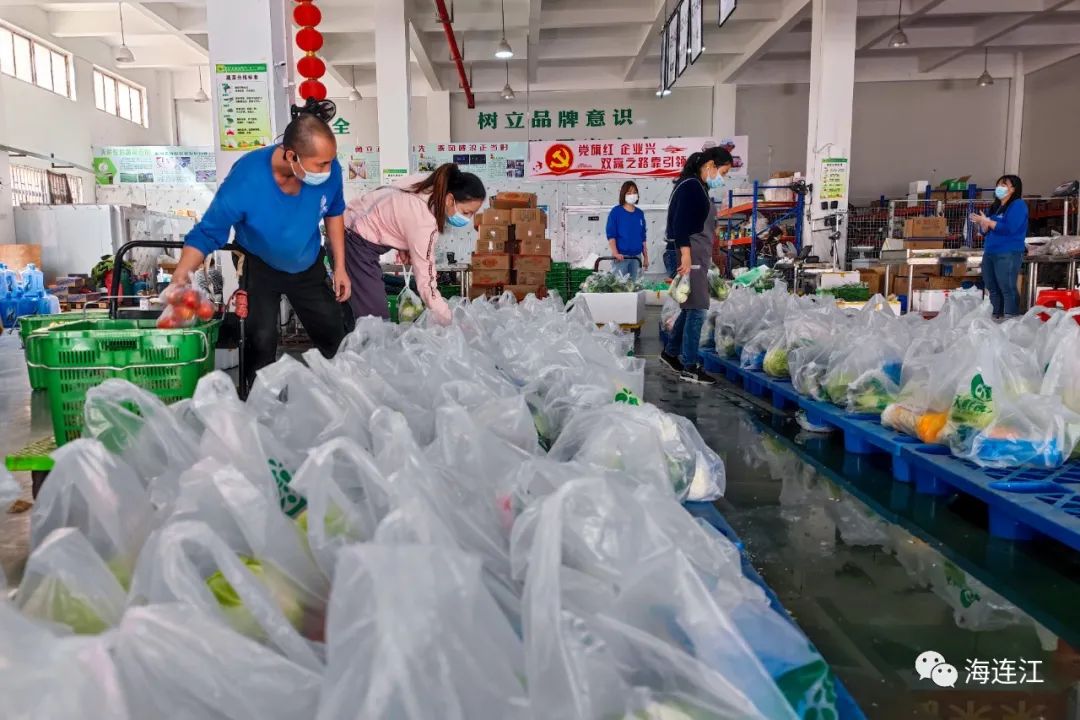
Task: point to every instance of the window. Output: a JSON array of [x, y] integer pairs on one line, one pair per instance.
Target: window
[[31, 185], [36, 62], [119, 97]]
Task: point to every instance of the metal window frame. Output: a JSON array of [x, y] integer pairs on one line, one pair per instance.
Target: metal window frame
[[131, 87], [69, 90]]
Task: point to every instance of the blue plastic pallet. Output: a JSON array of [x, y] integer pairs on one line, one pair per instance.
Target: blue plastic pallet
[[846, 707]]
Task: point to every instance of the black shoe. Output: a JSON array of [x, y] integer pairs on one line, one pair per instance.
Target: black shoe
[[671, 361], [696, 375]]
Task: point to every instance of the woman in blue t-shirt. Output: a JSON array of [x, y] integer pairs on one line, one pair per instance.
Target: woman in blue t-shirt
[[1004, 231], [626, 233]]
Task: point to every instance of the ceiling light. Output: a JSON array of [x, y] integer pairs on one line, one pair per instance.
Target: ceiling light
[[201, 96], [123, 53], [663, 93], [354, 94], [504, 51], [986, 79], [507, 91], [899, 38]]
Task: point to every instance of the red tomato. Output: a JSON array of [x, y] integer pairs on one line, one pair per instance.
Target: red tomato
[[168, 295], [183, 315], [190, 298], [206, 310], [166, 322]]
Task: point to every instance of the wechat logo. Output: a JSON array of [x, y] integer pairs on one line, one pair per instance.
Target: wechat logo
[[931, 665]]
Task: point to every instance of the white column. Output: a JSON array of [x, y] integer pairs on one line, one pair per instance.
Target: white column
[[392, 86], [246, 32], [438, 116], [1016, 117], [832, 87], [7, 216], [723, 115]]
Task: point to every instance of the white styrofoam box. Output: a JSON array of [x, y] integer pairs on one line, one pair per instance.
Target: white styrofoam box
[[928, 300], [836, 279], [618, 308], [780, 194], [226, 359]]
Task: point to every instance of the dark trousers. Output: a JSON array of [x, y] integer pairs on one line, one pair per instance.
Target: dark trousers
[[310, 295], [368, 290], [1000, 273], [671, 261]]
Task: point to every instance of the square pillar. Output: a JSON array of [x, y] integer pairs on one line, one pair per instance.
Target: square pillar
[[392, 81]]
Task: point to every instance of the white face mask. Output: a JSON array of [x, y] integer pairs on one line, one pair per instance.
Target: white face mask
[[632, 199]]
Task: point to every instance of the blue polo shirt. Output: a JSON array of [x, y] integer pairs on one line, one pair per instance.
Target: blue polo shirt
[[627, 227], [280, 229], [1011, 230]]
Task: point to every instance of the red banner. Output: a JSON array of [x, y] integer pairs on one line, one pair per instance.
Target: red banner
[[621, 159]]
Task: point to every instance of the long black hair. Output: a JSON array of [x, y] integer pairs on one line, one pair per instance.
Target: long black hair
[[1018, 193], [718, 155], [449, 178], [308, 121]]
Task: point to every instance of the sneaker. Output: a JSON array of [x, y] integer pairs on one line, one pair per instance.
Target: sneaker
[[671, 361], [696, 375]]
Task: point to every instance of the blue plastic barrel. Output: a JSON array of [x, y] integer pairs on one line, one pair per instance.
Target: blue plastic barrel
[[33, 280]]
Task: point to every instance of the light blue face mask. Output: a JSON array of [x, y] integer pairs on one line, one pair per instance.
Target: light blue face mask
[[1000, 192], [458, 220], [715, 183], [310, 178]]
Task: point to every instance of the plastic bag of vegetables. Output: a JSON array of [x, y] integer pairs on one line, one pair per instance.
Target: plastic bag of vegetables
[[175, 660], [67, 582], [864, 370], [46, 677], [669, 313], [680, 288], [753, 353], [96, 492], [1062, 378], [719, 287], [188, 562], [414, 634], [184, 307], [1036, 430], [409, 304]]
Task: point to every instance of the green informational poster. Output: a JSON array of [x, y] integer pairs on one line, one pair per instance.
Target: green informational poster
[[244, 107], [390, 175], [834, 179], [158, 164]]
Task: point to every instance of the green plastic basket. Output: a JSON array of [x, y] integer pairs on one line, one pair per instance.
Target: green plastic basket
[[33, 323], [391, 303], [167, 363]]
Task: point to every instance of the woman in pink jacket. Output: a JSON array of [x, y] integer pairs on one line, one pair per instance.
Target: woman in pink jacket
[[407, 216]]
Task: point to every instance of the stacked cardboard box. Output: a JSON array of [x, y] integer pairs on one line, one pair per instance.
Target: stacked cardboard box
[[512, 249]]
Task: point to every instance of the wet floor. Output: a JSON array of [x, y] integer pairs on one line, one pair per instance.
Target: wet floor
[[873, 573]]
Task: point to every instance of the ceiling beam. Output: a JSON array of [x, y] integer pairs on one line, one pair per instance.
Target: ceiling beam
[[791, 13], [167, 17], [875, 31], [532, 42], [652, 33], [985, 33], [1035, 61], [423, 58]]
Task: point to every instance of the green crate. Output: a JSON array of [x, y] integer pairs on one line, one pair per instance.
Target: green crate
[[32, 323], [167, 363], [450, 291], [391, 303]]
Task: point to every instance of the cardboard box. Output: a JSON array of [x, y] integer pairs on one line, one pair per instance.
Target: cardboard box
[[532, 263], [497, 216], [534, 247], [494, 239], [522, 291], [905, 285], [535, 278], [926, 227], [511, 200], [618, 308], [925, 245], [528, 216], [945, 283], [475, 292], [488, 278], [494, 261], [945, 195], [874, 279]]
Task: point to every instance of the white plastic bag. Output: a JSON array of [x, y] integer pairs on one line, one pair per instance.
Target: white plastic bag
[[95, 491], [186, 561], [67, 582], [414, 635], [680, 288], [1062, 378], [409, 304], [176, 661], [9, 490], [1035, 430]]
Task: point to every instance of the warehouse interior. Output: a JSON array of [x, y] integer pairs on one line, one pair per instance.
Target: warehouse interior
[[420, 282]]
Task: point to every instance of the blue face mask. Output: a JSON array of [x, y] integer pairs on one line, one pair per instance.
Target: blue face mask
[[1000, 192], [310, 178], [717, 182], [458, 220]]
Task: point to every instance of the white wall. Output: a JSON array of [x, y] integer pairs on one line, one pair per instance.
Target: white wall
[[40, 121], [685, 113], [902, 131], [1050, 146]]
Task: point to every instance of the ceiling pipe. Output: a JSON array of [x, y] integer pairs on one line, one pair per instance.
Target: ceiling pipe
[[455, 54]]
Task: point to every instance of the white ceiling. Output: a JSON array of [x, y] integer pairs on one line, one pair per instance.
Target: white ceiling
[[598, 44]]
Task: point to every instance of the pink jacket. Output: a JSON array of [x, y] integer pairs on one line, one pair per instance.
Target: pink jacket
[[400, 220]]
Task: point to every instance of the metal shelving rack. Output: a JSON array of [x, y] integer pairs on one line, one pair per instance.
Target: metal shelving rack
[[752, 208]]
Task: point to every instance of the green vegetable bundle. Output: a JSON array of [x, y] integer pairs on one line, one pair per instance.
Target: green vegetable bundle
[[607, 282], [851, 292]]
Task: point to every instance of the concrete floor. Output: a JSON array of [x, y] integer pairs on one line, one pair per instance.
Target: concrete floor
[[794, 501]]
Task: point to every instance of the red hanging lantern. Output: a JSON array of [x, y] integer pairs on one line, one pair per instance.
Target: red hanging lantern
[[309, 39], [312, 89], [306, 14], [311, 67]]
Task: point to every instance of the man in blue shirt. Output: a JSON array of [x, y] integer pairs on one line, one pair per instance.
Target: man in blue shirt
[[274, 199], [626, 233]]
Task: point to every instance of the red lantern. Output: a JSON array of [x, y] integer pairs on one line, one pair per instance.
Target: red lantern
[[312, 89], [309, 39], [311, 67], [307, 15]]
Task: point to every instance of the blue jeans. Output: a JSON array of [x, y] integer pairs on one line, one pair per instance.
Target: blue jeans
[[686, 337], [999, 272], [630, 266], [671, 262]]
